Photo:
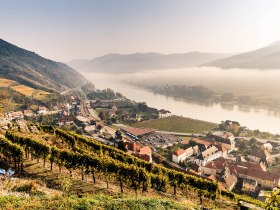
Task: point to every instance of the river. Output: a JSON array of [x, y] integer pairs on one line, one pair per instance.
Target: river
[[264, 120]]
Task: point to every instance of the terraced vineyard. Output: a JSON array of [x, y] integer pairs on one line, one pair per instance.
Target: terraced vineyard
[[91, 165]]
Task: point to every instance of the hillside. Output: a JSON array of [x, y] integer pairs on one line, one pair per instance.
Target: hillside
[[30, 69], [117, 63], [14, 96], [54, 162], [177, 124], [265, 58]]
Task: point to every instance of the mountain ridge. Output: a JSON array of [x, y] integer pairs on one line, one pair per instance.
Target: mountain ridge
[[267, 57], [125, 63], [33, 70]]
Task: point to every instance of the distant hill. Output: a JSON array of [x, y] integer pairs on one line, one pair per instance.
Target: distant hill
[[117, 63], [30, 69], [265, 58]]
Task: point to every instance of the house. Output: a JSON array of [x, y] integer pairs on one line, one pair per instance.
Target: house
[[242, 170], [132, 146], [66, 120], [267, 147], [164, 113], [43, 110], [227, 179], [13, 115], [209, 154], [144, 153], [249, 185], [202, 143], [223, 148], [181, 155], [214, 167], [4, 122], [273, 144], [265, 179], [195, 168], [28, 113], [258, 156], [224, 137], [137, 133]]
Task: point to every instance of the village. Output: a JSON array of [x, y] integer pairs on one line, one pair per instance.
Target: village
[[244, 166]]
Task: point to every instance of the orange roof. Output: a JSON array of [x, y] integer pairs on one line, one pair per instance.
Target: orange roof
[[179, 152], [145, 150], [212, 177], [138, 131]]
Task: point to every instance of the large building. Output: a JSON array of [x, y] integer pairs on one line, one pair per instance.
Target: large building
[[137, 133], [181, 155], [207, 155]]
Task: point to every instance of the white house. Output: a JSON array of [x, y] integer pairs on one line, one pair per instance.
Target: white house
[[181, 155], [43, 110], [266, 146], [164, 113], [209, 154]]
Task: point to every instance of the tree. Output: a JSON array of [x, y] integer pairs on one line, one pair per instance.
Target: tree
[[102, 115], [244, 99], [274, 201], [243, 145], [252, 141], [99, 127], [227, 97], [118, 135], [122, 146]]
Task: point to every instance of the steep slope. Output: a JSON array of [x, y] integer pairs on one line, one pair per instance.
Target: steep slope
[[35, 71], [143, 61], [265, 58]]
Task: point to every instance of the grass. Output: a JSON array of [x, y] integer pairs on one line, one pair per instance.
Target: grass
[[24, 90], [30, 92], [6, 82], [87, 202], [177, 124]]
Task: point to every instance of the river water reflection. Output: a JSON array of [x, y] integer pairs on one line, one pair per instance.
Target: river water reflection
[[264, 120]]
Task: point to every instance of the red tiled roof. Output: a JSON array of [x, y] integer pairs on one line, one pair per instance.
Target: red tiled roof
[[228, 181], [264, 175], [145, 150], [255, 166], [201, 141], [179, 152]]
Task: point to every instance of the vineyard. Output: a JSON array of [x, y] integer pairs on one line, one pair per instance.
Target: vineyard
[[73, 153], [177, 124]]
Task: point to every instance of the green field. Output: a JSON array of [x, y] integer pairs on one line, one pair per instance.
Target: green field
[[177, 124]]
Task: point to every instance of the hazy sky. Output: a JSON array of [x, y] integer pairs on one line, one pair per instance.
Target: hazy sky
[[67, 29]]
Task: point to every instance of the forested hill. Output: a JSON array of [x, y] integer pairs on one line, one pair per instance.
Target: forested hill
[[32, 70]]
